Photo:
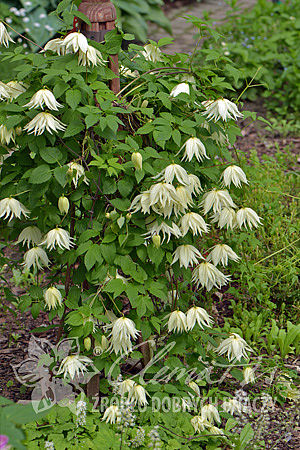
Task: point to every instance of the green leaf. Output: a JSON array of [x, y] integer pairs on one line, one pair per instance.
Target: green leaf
[[73, 98], [51, 155], [40, 174], [74, 128], [82, 17], [92, 256], [60, 174]]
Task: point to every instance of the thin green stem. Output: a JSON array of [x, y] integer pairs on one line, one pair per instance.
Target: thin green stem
[[278, 251]]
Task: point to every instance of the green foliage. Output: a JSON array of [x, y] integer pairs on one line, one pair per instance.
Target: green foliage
[[263, 45]]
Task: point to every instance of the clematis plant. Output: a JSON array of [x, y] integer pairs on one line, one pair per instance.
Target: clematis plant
[[125, 201]]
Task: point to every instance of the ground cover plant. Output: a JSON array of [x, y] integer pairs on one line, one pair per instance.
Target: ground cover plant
[[261, 46], [119, 205]]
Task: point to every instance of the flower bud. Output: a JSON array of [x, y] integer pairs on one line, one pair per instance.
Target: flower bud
[[156, 240], [128, 216], [63, 204], [87, 343], [107, 215], [145, 104], [18, 131], [100, 347], [137, 160]]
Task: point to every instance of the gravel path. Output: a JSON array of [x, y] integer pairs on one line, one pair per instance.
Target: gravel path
[[184, 32]]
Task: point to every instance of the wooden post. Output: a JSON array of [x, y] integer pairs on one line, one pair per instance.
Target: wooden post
[[102, 15]]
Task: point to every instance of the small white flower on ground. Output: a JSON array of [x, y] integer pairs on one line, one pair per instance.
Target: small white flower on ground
[[55, 45], [138, 395], [195, 185], [112, 414], [36, 257], [216, 199], [10, 208], [123, 330], [91, 57], [6, 135], [220, 109], [177, 322], [234, 347], [30, 235], [16, 88], [76, 170], [225, 218], [198, 315], [63, 204], [187, 255], [248, 218], [137, 160], [194, 222], [152, 53], [5, 38], [232, 406], [221, 253], [194, 147], [5, 91], [249, 375], [74, 365], [181, 88], [210, 413], [209, 276], [53, 298], [166, 230], [76, 41], [59, 237], [235, 175], [174, 171], [194, 386], [199, 424], [44, 121], [41, 98]]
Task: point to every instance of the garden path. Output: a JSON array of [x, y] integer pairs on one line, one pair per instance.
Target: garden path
[[184, 32]]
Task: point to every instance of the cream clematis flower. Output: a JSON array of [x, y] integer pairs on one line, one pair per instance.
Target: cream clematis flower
[[162, 197], [30, 235], [234, 174], [199, 424], [216, 200], [225, 218], [195, 185], [177, 322], [63, 204], [112, 414], [10, 208], [6, 135], [232, 406], [5, 38], [55, 45], [194, 222], [77, 171], [187, 255], [152, 53], [198, 315], [209, 276], [74, 365], [141, 203], [53, 298], [210, 413], [92, 57], [174, 171], [138, 395], [221, 253], [248, 218], [123, 330], [220, 109], [235, 347], [41, 98], [249, 375], [166, 230], [125, 387], [59, 237], [36, 257], [184, 200], [16, 88], [75, 41], [194, 147], [5, 91], [44, 121], [181, 88]]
